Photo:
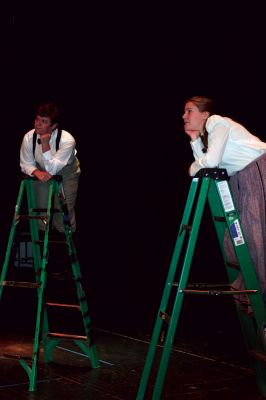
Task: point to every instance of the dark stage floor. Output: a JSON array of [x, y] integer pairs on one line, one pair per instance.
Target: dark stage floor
[[208, 358], [191, 374]]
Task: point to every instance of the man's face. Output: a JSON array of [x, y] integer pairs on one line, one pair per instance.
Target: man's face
[[43, 125]]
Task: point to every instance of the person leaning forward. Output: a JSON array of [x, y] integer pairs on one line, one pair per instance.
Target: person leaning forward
[[48, 150], [220, 142]]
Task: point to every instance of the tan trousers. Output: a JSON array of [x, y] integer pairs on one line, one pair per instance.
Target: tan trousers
[[70, 182]]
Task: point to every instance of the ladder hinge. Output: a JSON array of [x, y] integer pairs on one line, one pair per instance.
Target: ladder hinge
[[186, 228], [214, 173], [165, 317]]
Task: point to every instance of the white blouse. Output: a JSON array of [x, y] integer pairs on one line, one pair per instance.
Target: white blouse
[[230, 146]]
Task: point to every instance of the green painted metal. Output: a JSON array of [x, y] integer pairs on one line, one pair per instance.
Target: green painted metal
[[40, 257], [210, 187], [15, 221]]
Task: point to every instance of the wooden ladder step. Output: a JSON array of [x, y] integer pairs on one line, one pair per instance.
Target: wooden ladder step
[[29, 285], [73, 306], [66, 336], [258, 355], [27, 217], [16, 357], [218, 292]]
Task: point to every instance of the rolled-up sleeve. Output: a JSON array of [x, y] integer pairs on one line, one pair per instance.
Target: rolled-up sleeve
[[51, 161], [27, 160], [55, 162]]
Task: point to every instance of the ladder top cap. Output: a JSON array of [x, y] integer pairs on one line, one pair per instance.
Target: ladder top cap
[[57, 178], [215, 173]]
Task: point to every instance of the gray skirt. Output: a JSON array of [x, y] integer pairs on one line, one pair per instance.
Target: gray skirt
[[248, 188]]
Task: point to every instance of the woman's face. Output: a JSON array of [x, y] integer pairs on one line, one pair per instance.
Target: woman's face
[[194, 119]]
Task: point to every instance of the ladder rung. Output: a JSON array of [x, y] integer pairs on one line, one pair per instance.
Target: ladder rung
[[258, 355], [218, 292], [24, 235], [50, 241], [219, 219], [30, 285], [26, 217], [203, 285], [66, 336], [74, 306], [233, 265], [40, 256], [60, 276], [16, 357], [44, 210]]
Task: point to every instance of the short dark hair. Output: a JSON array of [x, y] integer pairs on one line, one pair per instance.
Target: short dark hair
[[49, 110]]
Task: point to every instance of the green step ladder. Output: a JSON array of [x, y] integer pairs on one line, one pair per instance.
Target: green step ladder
[[41, 243], [210, 185]]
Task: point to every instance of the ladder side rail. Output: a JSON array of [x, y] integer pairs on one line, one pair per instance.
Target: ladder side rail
[[247, 325], [252, 327], [217, 210], [33, 224], [81, 297], [205, 184], [243, 255], [51, 343], [90, 351], [40, 265], [41, 311], [75, 266], [88, 347], [52, 191], [182, 233], [74, 259], [15, 221]]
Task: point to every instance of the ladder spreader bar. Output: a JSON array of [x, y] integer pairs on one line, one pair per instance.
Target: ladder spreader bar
[[218, 292]]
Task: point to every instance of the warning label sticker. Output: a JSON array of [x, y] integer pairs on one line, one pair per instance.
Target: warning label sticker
[[237, 233], [225, 196]]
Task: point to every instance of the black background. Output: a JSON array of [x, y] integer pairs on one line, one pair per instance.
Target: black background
[[120, 74]]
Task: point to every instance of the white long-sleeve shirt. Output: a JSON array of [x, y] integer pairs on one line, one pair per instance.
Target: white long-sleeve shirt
[[51, 161], [230, 146]]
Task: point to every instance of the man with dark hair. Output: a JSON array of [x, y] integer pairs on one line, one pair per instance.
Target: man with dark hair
[[48, 150]]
